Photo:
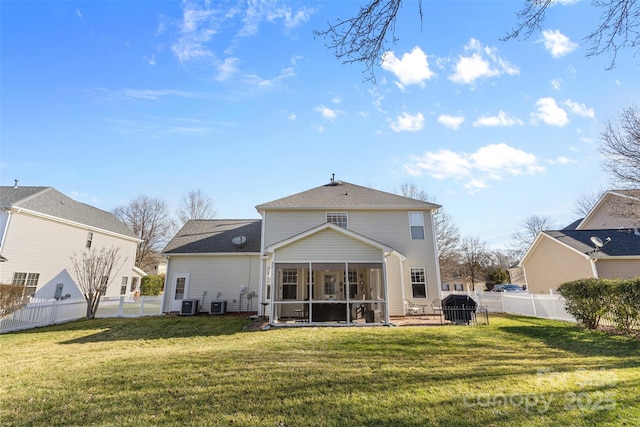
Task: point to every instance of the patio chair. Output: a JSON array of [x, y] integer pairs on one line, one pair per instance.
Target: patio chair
[[436, 306], [411, 308]]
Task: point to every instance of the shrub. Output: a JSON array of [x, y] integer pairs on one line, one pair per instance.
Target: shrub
[[625, 303], [587, 299], [11, 298], [151, 285]]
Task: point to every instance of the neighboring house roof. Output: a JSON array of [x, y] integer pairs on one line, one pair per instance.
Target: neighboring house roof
[[343, 195], [573, 225], [200, 236], [634, 195], [50, 202], [624, 242]]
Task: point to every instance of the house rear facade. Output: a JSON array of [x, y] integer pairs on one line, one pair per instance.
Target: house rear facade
[[335, 254], [41, 230]]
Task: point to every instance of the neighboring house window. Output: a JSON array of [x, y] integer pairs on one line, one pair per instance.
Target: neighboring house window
[[458, 287], [289, 283], [123, 286], [134, 284], [338, 218], [416, 222], [89, 240], [444, 287], [418, 283], [104, 283], [28, 280]]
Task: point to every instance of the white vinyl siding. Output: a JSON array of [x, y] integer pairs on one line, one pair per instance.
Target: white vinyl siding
[[213, 274], [47, 246]]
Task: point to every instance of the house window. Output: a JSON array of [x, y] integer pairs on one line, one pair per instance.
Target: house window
[[353, 282], [104, 283], [134, 284], [28, 280], [418, 283], [89, 240], [289, 283], [444, 287], [338, 218], [416, 223], [181, 284], [458, 287], [123, 286]]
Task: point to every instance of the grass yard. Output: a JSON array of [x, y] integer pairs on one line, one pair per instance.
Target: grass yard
[[207, 371]]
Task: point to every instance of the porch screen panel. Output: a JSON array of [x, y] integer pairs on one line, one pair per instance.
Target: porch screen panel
[[288, 275], [328, 266]]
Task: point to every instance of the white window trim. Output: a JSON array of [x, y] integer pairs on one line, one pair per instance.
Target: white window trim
[[415, 215]]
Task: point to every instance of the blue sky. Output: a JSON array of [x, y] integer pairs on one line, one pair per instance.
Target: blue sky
[[106, 101]]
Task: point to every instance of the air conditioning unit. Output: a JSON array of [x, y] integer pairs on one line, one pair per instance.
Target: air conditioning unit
[[189, 307], [218, 307]]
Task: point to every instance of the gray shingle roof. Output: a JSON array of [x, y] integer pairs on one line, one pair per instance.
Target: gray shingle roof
[[344, 195], [215, 236], [49, 201], [624, 242]]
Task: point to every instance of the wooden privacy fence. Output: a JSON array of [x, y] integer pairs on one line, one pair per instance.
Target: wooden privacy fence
[[39, 313]]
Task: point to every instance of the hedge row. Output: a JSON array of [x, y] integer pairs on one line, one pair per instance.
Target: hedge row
[[590, 300]]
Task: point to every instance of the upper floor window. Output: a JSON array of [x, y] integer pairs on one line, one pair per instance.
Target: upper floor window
[[416, 223], [89, 240], [338, 218]]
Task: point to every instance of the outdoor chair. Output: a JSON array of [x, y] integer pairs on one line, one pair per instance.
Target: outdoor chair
[[411, 308], [436, 306]]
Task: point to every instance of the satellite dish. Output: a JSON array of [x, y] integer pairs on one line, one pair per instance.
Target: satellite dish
[[597, 241], [239, 240]]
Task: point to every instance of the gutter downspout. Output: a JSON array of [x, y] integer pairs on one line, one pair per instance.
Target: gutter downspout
[[594, 268]]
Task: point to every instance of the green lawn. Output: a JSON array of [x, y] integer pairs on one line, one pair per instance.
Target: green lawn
[[207, 371]]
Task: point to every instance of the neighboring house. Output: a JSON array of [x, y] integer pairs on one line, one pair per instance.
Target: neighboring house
[[41, 230], [214, 260], [335, 254], [573, 253]]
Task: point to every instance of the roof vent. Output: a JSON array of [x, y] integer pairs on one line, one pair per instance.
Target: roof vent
[[15, 185], [333, 182]]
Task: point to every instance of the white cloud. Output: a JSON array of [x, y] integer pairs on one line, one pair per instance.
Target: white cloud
[[563, 160], [502, 119], [557, 43], [480, 62], [452, 122], [291, 117], [556, 83], [412, 68], [580, 109], [197, 28], [262, 83], [407, 122], [550, 113], [493, 162], [78, 13], [259, 11], [326, 112], [227, 69]]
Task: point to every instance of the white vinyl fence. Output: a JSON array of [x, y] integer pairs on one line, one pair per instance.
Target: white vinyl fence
[[39, 313], [523, 304]]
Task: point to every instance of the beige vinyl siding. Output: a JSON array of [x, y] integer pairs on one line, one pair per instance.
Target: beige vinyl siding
[[602, 219], [39, 245], [551, 264], [393, 268], [328, 246], [389, 227], [226, 274], [620, 269]]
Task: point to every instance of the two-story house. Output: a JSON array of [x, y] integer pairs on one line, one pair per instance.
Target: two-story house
[[336, 254], [603, 244], [41, 230]]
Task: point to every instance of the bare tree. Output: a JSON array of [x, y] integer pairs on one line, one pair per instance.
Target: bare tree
[[447, 233], [149, 219], [363, 38], [531, 227], [619, 25], [474, 259], [95, 271], [195, 205], [586, 202], [621, 147], [11, 299]]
